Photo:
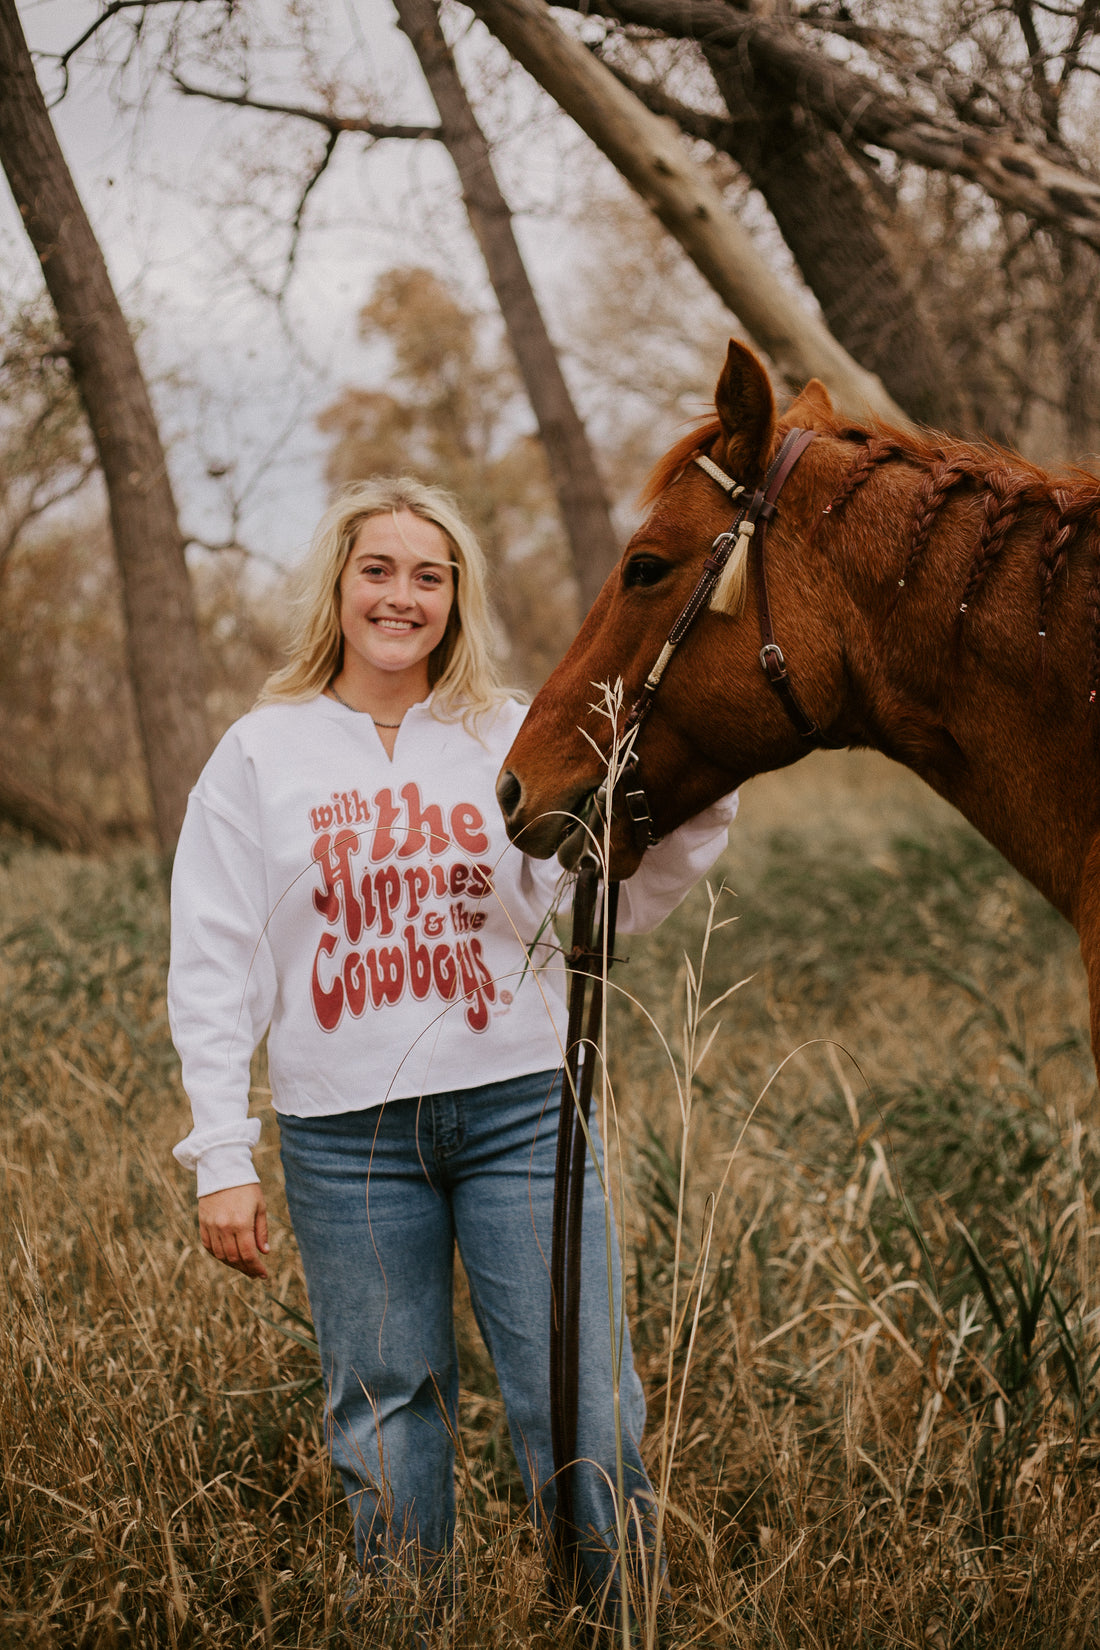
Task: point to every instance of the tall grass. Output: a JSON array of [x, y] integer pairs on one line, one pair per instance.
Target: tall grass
[[876, 1403]]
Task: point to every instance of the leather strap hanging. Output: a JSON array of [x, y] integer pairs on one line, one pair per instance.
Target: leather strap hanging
[[585, 962]]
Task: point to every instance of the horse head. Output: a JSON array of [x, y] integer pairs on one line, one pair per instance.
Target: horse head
[[714, 720]]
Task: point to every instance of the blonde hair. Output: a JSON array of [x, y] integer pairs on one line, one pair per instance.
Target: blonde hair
[[462, 670]]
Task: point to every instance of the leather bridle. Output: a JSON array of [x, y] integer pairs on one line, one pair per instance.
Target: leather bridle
[[751, 523]]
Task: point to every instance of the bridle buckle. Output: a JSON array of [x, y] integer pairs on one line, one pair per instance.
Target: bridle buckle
[[637, 806], [773, 663]]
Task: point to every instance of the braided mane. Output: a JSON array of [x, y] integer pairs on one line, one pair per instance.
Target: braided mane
[[1008, 483]]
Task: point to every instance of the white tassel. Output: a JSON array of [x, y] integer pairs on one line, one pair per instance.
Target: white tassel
[[728, 595]]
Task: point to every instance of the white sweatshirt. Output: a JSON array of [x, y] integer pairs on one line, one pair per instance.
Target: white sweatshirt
[[373, 916]]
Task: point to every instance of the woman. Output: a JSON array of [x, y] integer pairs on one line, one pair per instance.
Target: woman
[[344, 881]]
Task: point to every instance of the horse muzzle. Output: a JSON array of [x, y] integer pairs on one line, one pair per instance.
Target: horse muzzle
[[576, 826], [540, 831]]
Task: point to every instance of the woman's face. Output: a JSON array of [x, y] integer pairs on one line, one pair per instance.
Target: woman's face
[[396, 594]]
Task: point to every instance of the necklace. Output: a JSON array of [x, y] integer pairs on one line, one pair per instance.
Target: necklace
[[340, 700]]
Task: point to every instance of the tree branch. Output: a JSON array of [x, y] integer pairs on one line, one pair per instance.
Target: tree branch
[[334, 124], [650, 154], [37, 506], [111, 10], [1037, 59], [1022, 176], [296, 225], [717, 130]]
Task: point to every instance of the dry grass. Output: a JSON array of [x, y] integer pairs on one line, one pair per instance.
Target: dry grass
[[889, 1419]]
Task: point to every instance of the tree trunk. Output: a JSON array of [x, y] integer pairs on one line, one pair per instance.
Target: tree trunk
[[29, 808], [826, 219], [580, 493], [161, 631], [650, 154]]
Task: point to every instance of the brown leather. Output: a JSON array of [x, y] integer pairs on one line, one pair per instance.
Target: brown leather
[[585, 1011]]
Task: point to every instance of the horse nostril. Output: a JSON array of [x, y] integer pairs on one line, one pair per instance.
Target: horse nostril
[[509, 791]]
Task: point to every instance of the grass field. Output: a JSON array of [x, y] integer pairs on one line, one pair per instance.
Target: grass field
[[880, 1398]]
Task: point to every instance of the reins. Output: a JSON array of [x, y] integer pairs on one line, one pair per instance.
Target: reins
[[585, 961], [750, 526]]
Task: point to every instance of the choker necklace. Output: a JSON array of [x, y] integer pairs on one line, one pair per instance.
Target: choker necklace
[[342, 701]]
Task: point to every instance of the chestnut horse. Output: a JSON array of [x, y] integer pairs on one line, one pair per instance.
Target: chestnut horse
[[935, 600]]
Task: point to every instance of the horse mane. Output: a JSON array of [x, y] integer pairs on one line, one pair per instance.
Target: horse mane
[[1008, 482]]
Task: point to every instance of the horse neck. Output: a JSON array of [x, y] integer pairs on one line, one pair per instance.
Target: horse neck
[[954, 695]]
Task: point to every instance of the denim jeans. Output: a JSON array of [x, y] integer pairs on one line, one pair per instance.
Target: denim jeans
[[378, 1200]]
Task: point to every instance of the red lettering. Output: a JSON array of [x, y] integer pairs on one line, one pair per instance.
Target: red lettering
[[444, 972], [355, 983], [477, 1010], [460, 875], [387, 893], [384, 846], [419, 816], [387, 974], [418, 882], [325, 899], [483, 970], [420, 965], [334, 858], [439, 881], [366, 892], [468, 828], [481, 881], [328, 1005]]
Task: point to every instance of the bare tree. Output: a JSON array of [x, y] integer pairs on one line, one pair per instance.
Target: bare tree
[[581, 497], [580, 492], [976, 139], [162, 636], [649, 153]]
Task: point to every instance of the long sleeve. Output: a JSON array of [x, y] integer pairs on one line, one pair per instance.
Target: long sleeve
[[673, 867], [666, 875], [221, 990]]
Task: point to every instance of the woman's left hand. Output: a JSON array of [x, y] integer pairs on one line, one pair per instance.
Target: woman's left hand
[[233, 1228]]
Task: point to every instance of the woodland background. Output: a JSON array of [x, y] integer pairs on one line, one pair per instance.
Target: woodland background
[[921, 208], [889, 1419]]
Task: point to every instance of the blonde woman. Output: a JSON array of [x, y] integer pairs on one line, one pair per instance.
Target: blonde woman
[[344, 882]]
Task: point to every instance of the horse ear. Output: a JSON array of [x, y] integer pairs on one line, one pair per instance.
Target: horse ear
[[811, 407], [746, 411]]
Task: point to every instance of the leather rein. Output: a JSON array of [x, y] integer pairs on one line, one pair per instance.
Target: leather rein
[[585, 962]]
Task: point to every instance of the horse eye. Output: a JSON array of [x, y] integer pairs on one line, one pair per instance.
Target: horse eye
[[642, 571]]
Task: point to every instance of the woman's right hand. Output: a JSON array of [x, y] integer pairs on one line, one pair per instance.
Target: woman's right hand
[[233, 1228]]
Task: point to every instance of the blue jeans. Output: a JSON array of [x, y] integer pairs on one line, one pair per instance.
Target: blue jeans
[[378, 1200]]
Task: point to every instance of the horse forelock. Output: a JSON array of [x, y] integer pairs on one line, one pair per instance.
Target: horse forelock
[[668, 467]]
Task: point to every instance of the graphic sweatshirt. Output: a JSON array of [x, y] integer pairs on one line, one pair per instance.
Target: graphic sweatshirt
[[373, 917]]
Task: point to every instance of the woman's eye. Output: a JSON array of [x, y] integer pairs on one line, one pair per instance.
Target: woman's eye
[[641, 571]]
